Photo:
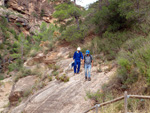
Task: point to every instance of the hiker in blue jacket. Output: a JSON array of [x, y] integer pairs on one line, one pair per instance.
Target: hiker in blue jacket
[[77, 60]]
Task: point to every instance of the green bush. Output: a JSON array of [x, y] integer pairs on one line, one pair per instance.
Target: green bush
[[110, 43], [72, 34], [1, 77], [98, 97], [35, 14], [12, 67], [132, 44], [18, 24], [127, 73], [134, 61], [116, 16], [14, 33], [1, 46], [55, 73], [50, 78], [42, 13], [26, 72], [17, 65], [62, 78]]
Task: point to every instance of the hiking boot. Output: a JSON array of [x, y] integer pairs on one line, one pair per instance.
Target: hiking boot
[[89, 78], [85, 77]]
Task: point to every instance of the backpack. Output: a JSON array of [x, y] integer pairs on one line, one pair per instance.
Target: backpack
[[90, 58]]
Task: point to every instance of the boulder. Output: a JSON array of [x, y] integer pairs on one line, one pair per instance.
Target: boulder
[[1, 2], [20, 88], [39, 58]]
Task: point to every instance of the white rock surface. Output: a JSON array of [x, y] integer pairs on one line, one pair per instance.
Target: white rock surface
[[60, 97], [5, 89]]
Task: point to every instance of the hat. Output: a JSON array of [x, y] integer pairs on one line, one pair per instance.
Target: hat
[[78, 49], [87, 52]]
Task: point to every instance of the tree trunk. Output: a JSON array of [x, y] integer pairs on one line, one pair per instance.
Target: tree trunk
[[137, 4], [22, 49], [74, 2], [4, 63], [100, 4], [107, 2], [3, 3], [77, 21]]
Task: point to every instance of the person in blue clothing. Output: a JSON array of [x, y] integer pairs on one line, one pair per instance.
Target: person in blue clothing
[[77, 60]]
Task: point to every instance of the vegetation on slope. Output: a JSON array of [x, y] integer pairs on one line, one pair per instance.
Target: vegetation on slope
[[123, 36], [15, 47], [121, 30]]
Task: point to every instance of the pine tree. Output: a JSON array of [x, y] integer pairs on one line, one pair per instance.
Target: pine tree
[[66, 11]]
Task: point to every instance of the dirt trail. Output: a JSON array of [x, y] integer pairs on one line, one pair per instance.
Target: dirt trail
[[70, 97]]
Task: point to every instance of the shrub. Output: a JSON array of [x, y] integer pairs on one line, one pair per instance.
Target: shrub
[[18, 24], [109, 44], [116, 16], [95, 96], [99, 97], [27, 93], [33, 53], [134, 61], [1, 46], [50, 78], [54, 73], [57, 77], [12, 67], [132, 44], [62, 78], [42, 13], [34, 14], [72, 33], [1, 77], [25, 72], [54, 67], [127, 73], [14, 33]]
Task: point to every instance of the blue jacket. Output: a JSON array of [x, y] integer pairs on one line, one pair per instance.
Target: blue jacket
[[77, 56]]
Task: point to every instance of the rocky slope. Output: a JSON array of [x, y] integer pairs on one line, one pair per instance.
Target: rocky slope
[[56, 96], [38, 8], [60, 97], [5, 89], [28, 13]]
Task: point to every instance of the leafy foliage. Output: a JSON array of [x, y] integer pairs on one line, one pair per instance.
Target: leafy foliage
[[118, 15], [72, 33], [65, 11], [46, 33]]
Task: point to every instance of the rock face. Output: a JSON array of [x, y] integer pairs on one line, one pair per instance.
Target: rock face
[[29, 14], [5, 89], [21, 87], [38, 8], [15, 19], [60, 97], [64, 97]]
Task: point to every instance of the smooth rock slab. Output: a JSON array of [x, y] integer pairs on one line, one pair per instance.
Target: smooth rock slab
[[21, 87]]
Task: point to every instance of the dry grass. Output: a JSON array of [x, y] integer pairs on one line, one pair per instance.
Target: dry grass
[[134, 106], [62, 78]]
